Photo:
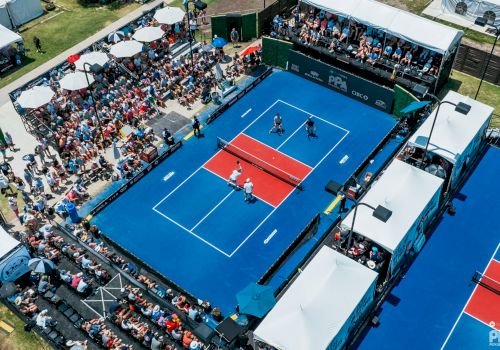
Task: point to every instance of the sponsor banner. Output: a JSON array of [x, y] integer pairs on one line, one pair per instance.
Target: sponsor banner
[[14, 265], [336, 79]]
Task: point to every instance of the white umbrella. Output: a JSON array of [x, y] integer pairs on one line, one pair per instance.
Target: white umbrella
[[116, 36], [91, 58], [75, 81], [35, 97], [169, 15], [437, 170], [126, 48], [41, 265], [147, 34]]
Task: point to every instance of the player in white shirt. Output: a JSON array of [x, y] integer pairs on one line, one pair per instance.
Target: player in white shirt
[[233, 178], [248, 190]]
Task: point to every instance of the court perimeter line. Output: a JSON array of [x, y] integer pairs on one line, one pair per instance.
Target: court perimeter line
[[287, 155], [190, 176], [191, 232], [244, 114], [470, 297], [211, 211], [306, 112], [288, 195]]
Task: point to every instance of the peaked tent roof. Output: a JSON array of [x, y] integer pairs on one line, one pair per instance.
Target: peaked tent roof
[[453, 131], [424, 32], [7, 242], [403, 189], [316, 306], [8, 37]]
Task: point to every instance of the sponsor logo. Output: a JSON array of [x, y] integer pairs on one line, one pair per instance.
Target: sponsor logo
[[314, 76], [359, 95], [295, 67], [338, 82], [381, 104], [494, 338]]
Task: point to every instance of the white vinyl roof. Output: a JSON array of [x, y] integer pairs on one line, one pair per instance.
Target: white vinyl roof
[[8, 37], [7, 242], [316, 306], [403, 189], [419, 30], [453, 131]]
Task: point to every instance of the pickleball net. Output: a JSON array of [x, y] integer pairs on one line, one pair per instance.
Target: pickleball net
[[259, 163], [486, 282]]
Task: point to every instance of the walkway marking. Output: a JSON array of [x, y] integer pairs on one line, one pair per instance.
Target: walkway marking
[[244, 114], [344, 159], [332, 205], [188, 136], [168, 176], [275, 231]]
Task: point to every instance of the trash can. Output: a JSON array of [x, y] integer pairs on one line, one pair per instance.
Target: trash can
[[73, 213]]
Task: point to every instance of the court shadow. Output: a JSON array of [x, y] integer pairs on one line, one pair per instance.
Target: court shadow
[[392, 299], [461, 197]]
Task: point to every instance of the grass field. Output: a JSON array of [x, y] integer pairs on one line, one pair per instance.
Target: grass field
[[61, 29], [19, 339]]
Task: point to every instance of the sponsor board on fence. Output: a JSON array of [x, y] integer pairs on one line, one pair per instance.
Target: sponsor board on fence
[[345, 83]]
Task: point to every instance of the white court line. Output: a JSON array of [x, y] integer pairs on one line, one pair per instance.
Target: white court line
[[468, 300], [286, 155], [260, 199], [326, 121], [289, 137], [191, 232], [211, 211], [190, 176], [244, 114]]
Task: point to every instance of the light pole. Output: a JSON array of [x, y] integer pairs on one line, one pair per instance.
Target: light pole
[[380, 212], [94, 68], [497, 34], [190, 38], [460, 107]]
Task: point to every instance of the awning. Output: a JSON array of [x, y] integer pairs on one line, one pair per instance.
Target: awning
[[8, 37]]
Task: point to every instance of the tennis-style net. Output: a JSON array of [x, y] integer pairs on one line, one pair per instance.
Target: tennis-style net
[[486, 282], [259, 163]]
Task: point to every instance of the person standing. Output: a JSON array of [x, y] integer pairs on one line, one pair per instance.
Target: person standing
[[278, 124], [233, 178], [13, 205], [196, 126], [28, 176], [235, 37], [310, 128], [342, 203], [8, 140], [248, 190], [38, 44]]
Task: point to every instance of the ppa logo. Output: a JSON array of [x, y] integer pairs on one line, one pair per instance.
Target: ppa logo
[[494, 338], [337, 82]]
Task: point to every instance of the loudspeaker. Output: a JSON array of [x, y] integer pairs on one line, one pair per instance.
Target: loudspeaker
[[333, 187], [420, 90], [481, 21], [382, 213]]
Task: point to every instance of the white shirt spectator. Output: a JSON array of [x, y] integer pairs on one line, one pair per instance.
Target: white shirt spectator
[[248, 187], [82, 286]]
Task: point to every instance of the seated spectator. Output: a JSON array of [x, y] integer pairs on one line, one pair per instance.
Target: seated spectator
[[397, 54]]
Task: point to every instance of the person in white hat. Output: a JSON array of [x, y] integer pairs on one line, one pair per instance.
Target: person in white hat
[[248, 190]]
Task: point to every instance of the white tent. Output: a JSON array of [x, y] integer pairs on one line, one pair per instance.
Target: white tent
[[411, 194], [472, 9], [17, 12], [455, 137], [14, 257], [326, 300], [8, 37], [426, 33]]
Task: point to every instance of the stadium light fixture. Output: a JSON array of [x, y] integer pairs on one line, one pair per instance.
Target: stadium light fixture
[[381, 213], [481, 21]]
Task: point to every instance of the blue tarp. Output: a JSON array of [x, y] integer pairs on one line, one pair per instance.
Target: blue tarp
[[414, 106]]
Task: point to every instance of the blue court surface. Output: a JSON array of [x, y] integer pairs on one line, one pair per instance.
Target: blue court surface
[[187, 223], [427, 310]]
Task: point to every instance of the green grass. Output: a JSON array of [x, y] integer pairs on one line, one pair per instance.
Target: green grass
[[64, 31], [19, 339], [467, 85]]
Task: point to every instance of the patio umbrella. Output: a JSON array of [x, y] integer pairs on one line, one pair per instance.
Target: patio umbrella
[[73, 58], [250, 50], [219, 42], [148, 34], [127, 48], [94, 57], [75, 81], [41, 265], [256, 300], [116, 36], [35, 97], [8, 289], [437, 170], [169, 15]]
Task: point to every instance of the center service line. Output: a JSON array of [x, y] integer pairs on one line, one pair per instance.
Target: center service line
[[244, 114]]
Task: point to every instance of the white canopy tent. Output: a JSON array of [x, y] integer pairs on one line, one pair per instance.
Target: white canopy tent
[[455, 137], [14, 257], [411, 194], [472, 9], [325, 301], [421, 31], [8, 37], [17, 12]]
